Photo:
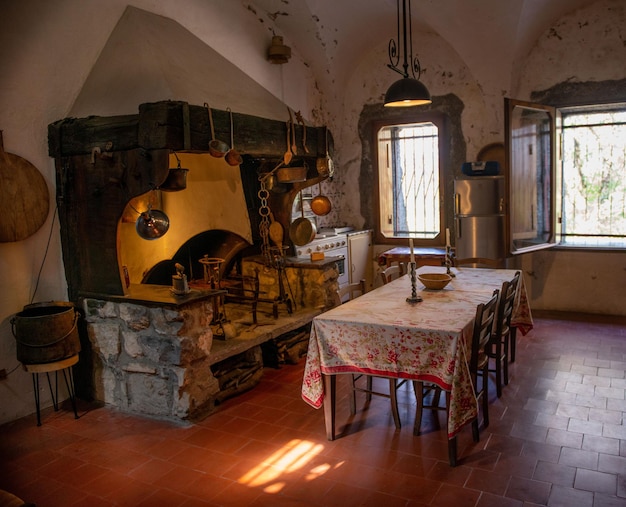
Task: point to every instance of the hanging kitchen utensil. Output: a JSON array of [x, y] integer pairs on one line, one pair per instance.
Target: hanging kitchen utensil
[[176, 178], [217, 148], [232, 157], [325, 164], [24, 197], [300, 120], [302, 230], [152, 224], [276, 232], [292, 174], [294, 146], [288, 155], [320, 204]]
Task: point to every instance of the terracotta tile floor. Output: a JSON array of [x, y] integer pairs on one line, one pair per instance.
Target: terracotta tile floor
[[556, 438]]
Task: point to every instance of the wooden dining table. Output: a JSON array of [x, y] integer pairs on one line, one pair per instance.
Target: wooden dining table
[[381, 334]]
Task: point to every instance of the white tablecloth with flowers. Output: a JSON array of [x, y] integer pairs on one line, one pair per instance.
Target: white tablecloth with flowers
[[379, 333]]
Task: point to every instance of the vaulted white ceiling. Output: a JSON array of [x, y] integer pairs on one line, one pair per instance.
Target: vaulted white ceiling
[[333, 34]]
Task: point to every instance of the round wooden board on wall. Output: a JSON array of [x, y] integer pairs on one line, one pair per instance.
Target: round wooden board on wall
[[24, 197], [492, 152]]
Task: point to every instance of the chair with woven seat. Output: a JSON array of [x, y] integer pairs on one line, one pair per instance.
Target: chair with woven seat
[[342, 295], [500, 344], [479, 368], [392, 272]]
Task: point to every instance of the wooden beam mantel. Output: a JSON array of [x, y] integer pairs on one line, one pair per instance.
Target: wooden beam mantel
[[178, 126]]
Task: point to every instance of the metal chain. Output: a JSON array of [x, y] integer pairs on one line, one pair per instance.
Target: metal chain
[[264, 226], [265, 212]]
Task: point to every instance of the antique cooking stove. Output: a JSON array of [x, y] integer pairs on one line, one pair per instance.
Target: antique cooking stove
[[334, 243]]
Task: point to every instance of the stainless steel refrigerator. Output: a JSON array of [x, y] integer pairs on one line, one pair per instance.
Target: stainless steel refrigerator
[[479, 217]]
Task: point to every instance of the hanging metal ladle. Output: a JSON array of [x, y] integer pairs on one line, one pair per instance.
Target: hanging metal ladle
[[216, 148], [232, 157]]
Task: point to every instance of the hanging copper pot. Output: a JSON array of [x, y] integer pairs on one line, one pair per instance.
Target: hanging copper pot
[[176, 178], [320, 204]]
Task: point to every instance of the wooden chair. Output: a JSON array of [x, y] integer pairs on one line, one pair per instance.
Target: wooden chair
[[500, 345], [342, 295], [479, 360], [350, 291], [478, 262], [392, 272], [479, 367]]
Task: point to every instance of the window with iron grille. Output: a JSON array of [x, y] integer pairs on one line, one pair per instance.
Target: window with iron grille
[[408, 181], [594, 176]]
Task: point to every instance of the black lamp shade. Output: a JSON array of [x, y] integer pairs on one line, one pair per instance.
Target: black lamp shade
[[407, 92]]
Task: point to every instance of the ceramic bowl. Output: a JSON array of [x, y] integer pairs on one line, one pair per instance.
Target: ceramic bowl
[[436, 281]]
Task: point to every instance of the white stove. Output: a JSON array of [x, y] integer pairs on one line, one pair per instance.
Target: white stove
[[333, 245]]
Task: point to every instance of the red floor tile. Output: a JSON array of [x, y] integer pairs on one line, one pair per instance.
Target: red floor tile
[[556, 438]]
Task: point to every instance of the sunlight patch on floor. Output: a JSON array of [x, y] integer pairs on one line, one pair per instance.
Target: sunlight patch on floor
[[292, 457]]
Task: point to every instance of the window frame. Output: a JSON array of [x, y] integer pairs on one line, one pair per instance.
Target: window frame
[[556, 188], [411, 117], [564, 112]]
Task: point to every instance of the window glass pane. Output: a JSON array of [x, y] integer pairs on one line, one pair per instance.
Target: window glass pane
[[409, 180], [594, 178]]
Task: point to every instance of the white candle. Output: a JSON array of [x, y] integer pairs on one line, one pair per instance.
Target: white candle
[[411, 247], [447, 237]]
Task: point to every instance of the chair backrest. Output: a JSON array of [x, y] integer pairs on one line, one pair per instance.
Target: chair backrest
[[483, 330], [392, 272], [478, 262], [350, 291], [506, 306]]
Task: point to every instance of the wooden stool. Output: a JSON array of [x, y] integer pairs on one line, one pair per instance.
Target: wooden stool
[[64, 364]]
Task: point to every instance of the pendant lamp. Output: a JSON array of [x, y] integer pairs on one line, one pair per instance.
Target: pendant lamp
[[408, 91]]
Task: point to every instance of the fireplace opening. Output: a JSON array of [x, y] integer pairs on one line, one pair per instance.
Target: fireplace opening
[[216, 243]]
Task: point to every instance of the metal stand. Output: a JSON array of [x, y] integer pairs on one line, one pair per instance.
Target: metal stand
[[414, 298], [279, 264], [212, 276], [65, 364]]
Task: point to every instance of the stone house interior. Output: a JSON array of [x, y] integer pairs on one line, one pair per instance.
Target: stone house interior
[[162, 167]]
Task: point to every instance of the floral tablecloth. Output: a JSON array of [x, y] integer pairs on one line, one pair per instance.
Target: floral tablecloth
[[379, 333]]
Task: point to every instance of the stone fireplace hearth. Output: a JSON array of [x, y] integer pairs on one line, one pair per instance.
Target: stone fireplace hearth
[[163, 359]]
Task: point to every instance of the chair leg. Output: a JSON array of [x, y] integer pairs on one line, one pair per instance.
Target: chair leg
[[505, 358], [418, 387], [498, 355], [475, 434], [485, 397], [394, 403], [452, 451], [513, 340]]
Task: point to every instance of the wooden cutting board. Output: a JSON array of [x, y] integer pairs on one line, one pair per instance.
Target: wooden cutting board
[[24, 197]]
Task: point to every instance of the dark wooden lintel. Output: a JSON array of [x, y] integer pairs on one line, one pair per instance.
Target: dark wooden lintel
[[178, 126]]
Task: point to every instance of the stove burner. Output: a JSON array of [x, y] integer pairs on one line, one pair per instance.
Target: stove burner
[[330, 244]]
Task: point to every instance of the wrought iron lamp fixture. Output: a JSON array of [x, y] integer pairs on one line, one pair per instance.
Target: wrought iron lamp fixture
[[408, 91]]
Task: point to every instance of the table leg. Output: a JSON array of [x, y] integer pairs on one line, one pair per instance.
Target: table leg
[[330, 387]]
